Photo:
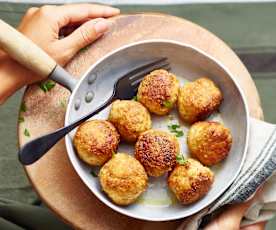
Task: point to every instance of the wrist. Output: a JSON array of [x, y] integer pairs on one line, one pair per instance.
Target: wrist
[[12, 76]]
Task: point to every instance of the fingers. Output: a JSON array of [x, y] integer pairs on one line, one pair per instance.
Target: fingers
[[81, 37], [232, 216], [229, 219], [258, 226], [30, 12], [74, 13]]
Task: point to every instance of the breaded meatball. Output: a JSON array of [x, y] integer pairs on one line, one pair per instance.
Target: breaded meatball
[[209, 142], [96, 141], [158, 91], [123, 178], [130, 118], [157, 150], [198, 99], [190, 181]]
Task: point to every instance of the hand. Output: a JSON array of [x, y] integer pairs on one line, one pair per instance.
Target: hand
[[232, 216], [80, 23]]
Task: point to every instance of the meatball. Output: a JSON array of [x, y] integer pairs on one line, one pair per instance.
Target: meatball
[[123, 178], [158, 91], [96, 141], [130, 118], [209, 142], [198, 99], [157, 150], [190, 181]]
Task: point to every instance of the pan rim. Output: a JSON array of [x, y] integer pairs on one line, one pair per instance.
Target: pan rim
[[201, 52]]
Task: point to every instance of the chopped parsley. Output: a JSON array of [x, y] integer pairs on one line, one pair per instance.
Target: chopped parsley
[[23, 107], [46, 86], [135, 98], [21, 119], [27, 133], [179, 133], [168, 104], [93, 173], [173, 127], [180, 159], [176, 129], [84, 49], [62, 104]]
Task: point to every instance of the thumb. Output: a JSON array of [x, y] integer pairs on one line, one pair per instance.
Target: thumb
[[83, 36]]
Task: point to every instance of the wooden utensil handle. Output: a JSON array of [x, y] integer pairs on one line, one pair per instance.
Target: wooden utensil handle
[[25, 51]]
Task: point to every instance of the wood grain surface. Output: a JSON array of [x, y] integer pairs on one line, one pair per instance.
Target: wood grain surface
[[53, 177]]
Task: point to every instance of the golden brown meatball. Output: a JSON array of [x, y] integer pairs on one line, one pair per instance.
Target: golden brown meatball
[[190, 181], [209, 141], [96, 141], [157, 150], [123, 178], [198, 99], [158, 91], [131, 118]]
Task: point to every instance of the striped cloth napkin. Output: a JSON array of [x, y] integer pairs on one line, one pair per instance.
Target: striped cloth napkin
[[259, 166]]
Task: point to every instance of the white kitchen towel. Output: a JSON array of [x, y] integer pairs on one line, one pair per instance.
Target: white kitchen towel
[[259, 166]]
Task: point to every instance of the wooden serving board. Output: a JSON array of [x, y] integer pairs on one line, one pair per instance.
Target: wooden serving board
[[53, 177]]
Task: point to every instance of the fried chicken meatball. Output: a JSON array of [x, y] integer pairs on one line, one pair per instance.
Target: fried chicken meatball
[[209, 142], [123, 179], [158, 91], [190, 181], [130, 118], [157, 150], [96, 141], [198, 99]]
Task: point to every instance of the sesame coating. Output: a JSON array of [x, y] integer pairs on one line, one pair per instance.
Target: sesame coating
[[209, 141], [198, 99], [190, 181], [95, 141], [123, 178], [157, 150], [158, 91], [130, 118]]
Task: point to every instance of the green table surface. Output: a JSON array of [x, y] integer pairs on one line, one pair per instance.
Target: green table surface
[[250, 29]]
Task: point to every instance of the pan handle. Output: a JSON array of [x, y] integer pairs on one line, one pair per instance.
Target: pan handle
[[62, 77], [28, 54]]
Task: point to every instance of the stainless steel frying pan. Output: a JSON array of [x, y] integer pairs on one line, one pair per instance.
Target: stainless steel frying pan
[[188, 63]]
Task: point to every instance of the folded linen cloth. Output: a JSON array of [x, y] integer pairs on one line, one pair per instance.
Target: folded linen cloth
[[259, 166]]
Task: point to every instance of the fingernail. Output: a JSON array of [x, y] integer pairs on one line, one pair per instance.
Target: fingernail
[[101, 26], [116, 10]]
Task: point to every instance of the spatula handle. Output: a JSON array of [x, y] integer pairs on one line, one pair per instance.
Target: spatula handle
[[25, 51]]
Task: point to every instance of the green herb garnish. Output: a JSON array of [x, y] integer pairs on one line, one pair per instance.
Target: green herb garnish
[[135, 98], [47, 85], [21, 119], [168, 104], [175, 128], [179, 133], [23, 107], [84, 49], [62, 104], [27, 133], [180, 159], [93, 173]]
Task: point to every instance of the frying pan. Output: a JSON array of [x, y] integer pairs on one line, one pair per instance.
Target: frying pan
[[188, 63]]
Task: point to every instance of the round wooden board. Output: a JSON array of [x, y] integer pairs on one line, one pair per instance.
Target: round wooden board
[[53, 177]]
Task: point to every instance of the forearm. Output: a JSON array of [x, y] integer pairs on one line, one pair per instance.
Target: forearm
[[12, 76]]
